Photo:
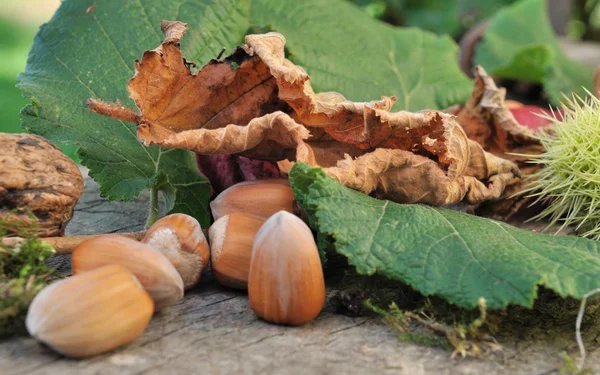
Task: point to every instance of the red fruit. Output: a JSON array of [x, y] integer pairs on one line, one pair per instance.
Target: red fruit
[[529, 116]]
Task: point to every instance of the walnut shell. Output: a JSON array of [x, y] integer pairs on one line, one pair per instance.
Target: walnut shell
[[36, 176]]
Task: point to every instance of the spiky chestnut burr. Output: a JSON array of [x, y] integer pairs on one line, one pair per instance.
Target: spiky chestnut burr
[[569, 181]]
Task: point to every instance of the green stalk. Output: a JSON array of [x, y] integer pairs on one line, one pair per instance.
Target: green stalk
[[154, 211]]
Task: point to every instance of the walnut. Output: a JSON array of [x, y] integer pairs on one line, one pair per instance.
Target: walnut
[[36, 176]]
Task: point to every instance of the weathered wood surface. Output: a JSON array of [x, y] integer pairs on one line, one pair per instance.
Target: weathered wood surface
[[213, 331]]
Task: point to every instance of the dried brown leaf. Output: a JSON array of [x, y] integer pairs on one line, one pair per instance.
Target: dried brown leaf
[[259, 104], [487, 119]]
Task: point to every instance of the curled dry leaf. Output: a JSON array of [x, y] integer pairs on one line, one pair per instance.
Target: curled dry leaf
[[487, 119], [258, 104]]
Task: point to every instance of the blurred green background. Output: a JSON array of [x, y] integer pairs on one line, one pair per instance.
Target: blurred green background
[[19, 22], [15, 41]]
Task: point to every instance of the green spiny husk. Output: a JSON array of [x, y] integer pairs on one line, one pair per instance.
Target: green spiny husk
[[569, 182]]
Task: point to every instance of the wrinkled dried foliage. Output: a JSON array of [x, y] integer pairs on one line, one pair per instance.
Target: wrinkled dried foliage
[[258, 104], [487, 120], [35, 175]]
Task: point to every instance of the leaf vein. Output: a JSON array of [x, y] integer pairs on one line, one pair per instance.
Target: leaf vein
[[472, 254], [542, 255], [112, 43], [146, 17]]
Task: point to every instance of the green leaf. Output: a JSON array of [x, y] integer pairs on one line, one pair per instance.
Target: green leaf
[[513, 48], [454, 255], [189, 185], [345, 50], [89, 51]]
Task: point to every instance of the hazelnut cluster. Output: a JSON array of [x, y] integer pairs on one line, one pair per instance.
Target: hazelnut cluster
[[257, 243]]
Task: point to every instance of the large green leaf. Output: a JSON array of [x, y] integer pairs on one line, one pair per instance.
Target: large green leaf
[[345, 50], [520, 44], [454, 255], [88, 50]]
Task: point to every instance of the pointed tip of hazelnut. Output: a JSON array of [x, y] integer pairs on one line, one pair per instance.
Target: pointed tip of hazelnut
[[284, 220]]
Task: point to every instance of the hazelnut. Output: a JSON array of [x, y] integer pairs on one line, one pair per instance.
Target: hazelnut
[[179, 237], [90, 313], [231, 239], [260, 198], [285, 282], [153, 270]]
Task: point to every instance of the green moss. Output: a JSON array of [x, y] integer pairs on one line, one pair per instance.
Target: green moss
[[570, 368], [23, 273], [472, 332], [424, 339]]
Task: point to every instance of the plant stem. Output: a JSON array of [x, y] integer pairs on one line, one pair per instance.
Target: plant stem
[[65, 245], [578, 327], [154, 211]]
